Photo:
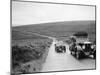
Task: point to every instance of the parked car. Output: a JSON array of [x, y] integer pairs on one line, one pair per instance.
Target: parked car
[[60, 48], [83, 49]]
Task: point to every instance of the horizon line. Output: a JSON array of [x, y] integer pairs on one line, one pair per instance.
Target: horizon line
[[14, 25]]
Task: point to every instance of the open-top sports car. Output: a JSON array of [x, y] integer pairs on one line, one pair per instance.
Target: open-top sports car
[[81, 46], [83, 49], [60, 48]]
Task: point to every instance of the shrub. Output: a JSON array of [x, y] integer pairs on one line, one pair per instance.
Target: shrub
[[81, 34], [24, 54]]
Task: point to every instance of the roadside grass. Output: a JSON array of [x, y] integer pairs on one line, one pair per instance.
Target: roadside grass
[[28, 55]]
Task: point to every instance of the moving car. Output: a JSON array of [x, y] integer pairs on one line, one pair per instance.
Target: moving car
[[81, 46], [60, 48], [83, 49]]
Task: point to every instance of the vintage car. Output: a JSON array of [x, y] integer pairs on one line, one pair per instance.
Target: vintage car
[[60, 48], [83, 49], [81, 46]]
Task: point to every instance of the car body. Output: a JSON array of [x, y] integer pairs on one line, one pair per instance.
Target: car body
[[60, 48], [83, 49], [81, 46]]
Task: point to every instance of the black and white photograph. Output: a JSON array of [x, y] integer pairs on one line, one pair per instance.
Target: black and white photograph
[[52, 37]]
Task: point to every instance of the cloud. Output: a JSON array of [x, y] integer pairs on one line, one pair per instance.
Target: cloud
[[33, 13]]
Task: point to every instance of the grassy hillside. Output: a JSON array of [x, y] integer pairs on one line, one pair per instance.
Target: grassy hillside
[[29, 57], [29, 51], [22, 35], [61, 29]]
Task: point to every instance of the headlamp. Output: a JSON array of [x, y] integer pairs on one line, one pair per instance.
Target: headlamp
[[83, 47], [92, 46]]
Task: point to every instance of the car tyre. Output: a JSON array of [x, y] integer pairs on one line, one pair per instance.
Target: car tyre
[[77, 55], [94, 55], [71, 52]]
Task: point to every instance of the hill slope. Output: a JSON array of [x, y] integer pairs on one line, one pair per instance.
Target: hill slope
[[58, 29], [21, 35]]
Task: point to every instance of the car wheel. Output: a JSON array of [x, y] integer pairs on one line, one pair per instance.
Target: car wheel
[[56, 49], [94, 55], [77, 55], [71, 52], [65, 51]]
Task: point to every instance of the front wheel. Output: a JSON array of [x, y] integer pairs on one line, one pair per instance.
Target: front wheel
[[94, 54], [78, 55]]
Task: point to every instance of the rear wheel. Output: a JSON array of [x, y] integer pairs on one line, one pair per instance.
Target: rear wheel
[[64, 49], [71, 52], [56, 49]]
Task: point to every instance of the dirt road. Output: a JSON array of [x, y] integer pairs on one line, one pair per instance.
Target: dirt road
[[65, 61]]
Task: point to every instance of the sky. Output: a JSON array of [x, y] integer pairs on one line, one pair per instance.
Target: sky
[[24, 13]]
